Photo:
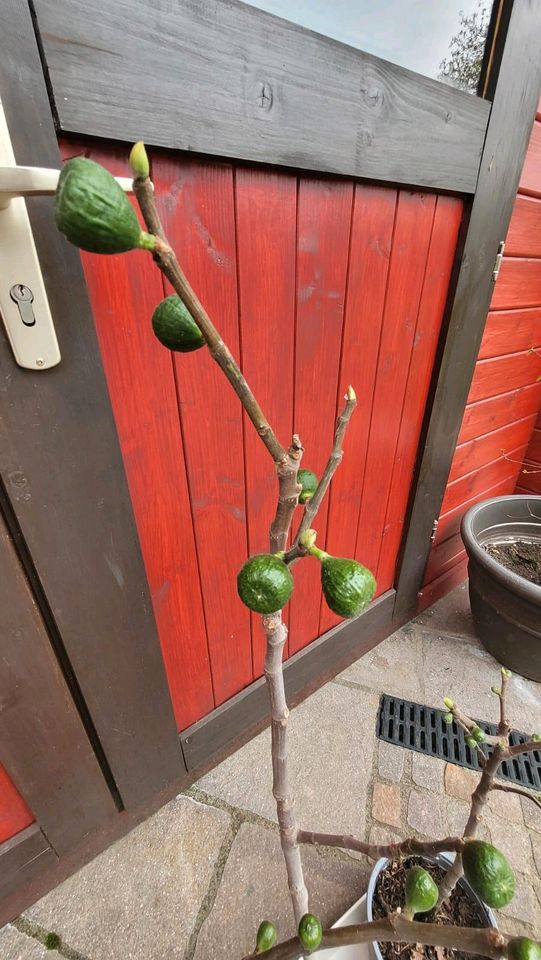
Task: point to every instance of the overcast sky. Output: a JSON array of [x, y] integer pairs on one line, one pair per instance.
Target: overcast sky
[[413, 33]]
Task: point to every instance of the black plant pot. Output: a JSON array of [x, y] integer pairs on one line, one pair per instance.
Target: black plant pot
[[506, 608]]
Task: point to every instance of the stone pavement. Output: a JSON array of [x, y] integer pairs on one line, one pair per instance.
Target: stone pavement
[[194, 881]]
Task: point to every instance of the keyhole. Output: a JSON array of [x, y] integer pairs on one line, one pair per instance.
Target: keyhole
[[23, 297]]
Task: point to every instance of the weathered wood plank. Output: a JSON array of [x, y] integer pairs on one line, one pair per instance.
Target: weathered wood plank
[[61, 464], [223, 78], [494, 412], [509, 331], [43, 744], [23, 857], [513, 111]]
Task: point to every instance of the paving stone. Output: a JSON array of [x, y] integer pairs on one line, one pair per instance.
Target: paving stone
[[466, 672], [140, 898], [524, 906], [425, 814], [450, 615], [254, 887], [331, 747], [386, 803], [455, 814], [428, 772], [513, 841], [460, 782], [506, 805], [395, 666], [391, 761], [17, 946], [532, 814]]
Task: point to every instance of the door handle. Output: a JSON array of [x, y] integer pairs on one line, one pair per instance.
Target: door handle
[[24, 306]]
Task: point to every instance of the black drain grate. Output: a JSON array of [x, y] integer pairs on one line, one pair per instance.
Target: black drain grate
[[422, 728]]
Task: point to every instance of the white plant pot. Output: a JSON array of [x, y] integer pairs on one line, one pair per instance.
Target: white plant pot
[[355, 951]]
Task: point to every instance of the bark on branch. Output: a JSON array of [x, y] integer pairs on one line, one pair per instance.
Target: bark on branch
[[402, 848], [396, 928]]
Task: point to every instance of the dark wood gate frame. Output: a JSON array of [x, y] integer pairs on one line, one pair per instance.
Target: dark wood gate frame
[[70, 479]]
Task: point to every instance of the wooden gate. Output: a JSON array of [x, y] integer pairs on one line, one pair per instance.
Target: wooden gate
[[340, 227]]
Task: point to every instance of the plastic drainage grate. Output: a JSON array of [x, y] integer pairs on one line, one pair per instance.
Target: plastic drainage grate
[[421, 728]]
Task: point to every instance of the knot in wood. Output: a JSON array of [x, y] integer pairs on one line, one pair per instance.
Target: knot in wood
[[265, 96]]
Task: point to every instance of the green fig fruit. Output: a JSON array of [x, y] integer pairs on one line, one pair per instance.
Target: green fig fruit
[[421, 892], [310, 931], [447, 717], [522, 948], [348, 587], [94, 213], [266, 936], [175, 327], [308, 481], [488, 872], [265, 583]]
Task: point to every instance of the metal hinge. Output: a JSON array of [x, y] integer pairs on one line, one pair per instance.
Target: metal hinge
[[434, 531], [498, 260]]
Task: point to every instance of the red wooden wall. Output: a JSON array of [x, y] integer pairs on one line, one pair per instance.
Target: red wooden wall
[[505, 395], [529, 480], [315, 283]]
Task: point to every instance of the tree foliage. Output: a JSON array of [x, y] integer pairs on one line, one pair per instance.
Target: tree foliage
[[466, 49]]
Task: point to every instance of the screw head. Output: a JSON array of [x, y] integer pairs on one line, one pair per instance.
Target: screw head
[[40, 362]]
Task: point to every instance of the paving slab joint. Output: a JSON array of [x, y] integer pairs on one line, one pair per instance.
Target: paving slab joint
[[209, 899], [43, 936]]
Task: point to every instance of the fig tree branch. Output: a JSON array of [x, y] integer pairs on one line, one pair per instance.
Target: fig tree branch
[[396, 928], [335, 458], [516, 749], [167, 261], [403, 848], [507, 788], [504, 726]]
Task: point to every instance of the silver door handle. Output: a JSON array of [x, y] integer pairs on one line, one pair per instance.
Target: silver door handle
[[23, 300]]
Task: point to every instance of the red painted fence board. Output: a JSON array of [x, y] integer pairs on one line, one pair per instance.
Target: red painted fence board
[[482, 416], [464, 489], [519, 284], [371, 240], [14, 813], [501, 374], [476, 453], [530, 180], [510, 331], [124, 291], [323, 239], [524, 234]]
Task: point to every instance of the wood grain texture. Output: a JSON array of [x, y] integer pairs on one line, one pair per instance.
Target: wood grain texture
[[123, 294], [414, 218], [323, 236], [465, 488], [61, 465], [43, 744], [439, 264], [224, 78], [482, 450], [518, 285], [530, 180], [449, 523], [370, 250], [15, 814], [501, 374], [510, 331], [513, 110], [485, 415], [23, 857], [196, 203], [524, 234], [266, 235]]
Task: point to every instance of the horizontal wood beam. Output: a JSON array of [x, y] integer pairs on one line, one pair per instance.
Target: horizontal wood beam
[[307, 670], [23, 857], [223, 78]]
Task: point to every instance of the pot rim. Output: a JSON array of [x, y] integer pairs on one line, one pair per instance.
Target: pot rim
[[440, 858], [511, 581]]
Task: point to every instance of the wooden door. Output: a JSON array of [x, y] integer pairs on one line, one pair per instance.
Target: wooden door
[[333, 212]]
